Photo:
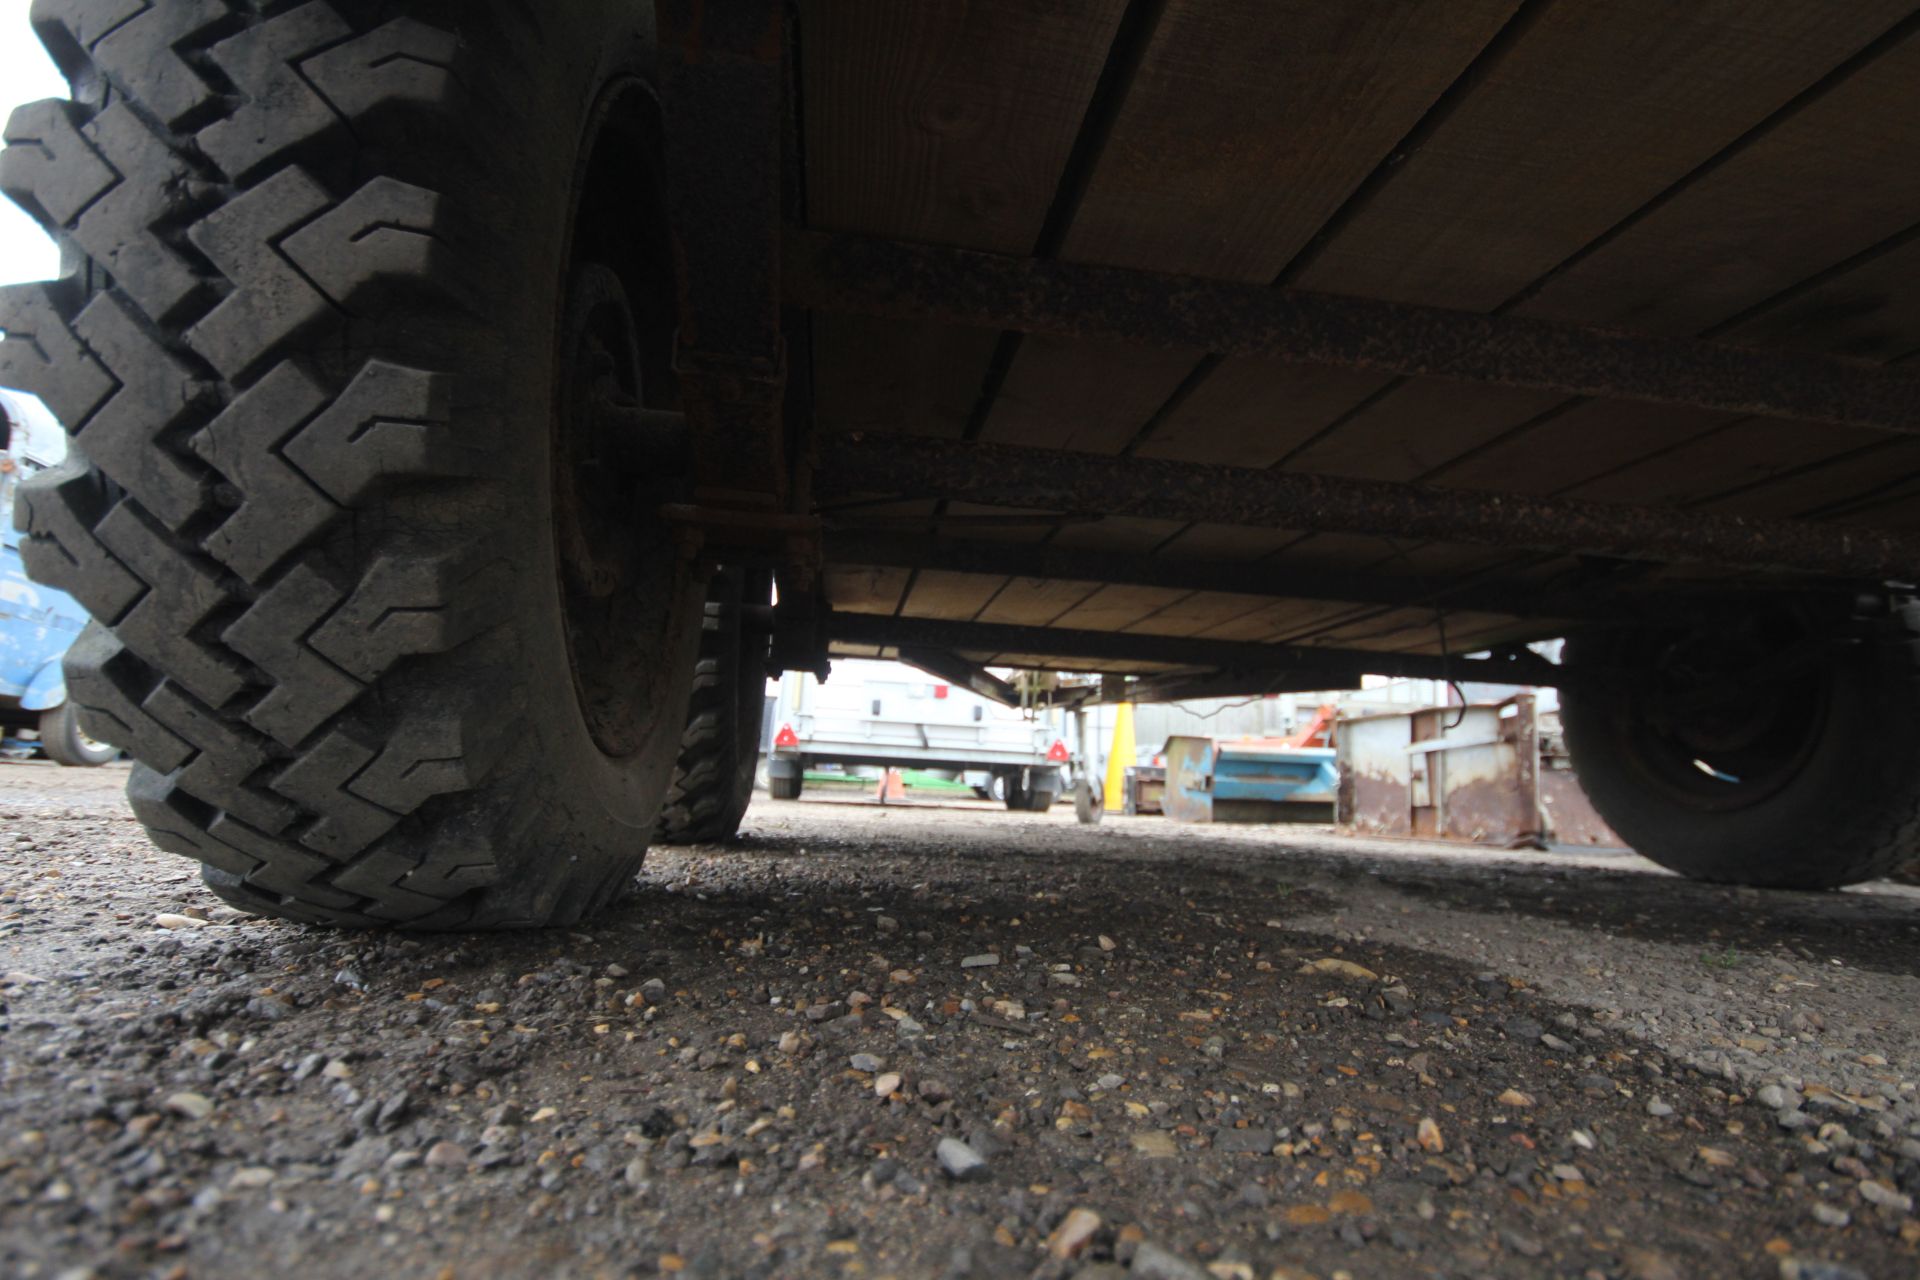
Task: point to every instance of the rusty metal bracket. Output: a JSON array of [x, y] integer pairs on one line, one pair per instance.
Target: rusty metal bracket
[[837, 272], [1009, 476]]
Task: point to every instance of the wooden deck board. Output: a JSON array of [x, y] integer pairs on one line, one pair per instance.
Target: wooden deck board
[[948, 124], [1246, 127]]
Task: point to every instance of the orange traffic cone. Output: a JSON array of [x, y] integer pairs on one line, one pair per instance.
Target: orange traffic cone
[[892, 787]]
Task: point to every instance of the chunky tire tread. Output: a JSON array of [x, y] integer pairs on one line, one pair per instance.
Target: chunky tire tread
[[712, 780], [297, 681]]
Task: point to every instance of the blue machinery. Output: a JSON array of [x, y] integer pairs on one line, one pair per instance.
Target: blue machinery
[[1257, 780]]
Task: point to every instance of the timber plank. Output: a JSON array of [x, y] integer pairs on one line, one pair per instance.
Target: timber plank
[[1592, 112], [1034, 602], [954, 597], [864, 588], [1114, 608], [943, 123], [1244, 130]]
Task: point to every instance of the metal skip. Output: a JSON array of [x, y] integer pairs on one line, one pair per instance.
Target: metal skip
[[1471, 774]]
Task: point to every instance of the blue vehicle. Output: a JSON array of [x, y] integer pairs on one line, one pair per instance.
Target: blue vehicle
[[37, 624]]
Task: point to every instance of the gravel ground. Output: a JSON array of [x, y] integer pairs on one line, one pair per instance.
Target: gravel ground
[[957, 1042]]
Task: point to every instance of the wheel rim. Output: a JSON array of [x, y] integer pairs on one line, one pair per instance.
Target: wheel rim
[[90, 745], [1723, 721], [617, 574]]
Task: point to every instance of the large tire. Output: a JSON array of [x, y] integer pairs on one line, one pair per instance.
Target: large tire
[[1812, 783], [64, 743], [713, 778], [337, 273]]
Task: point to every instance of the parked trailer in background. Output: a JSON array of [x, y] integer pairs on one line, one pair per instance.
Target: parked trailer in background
[[896, 717]]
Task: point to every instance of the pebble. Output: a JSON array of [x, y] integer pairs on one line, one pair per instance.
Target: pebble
[[886, 1084], [446, 1155], [1155, 1144], [1775, 1098], [1658, 1109], [168, 920], [1874, 1192], [1073, 1234], [1152, 1262], [865, 1062], [193, 1106], [1817, 1269], [1830, 1215], [1429, 1136], [960, 1161], [1253, 1142], [985, 960], [1650, 1264]]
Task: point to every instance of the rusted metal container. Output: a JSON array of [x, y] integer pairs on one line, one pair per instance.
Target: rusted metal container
[[1472, 773], [1146, 790]]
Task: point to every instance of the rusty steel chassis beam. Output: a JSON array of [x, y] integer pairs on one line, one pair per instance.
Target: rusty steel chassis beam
[[835, 272], [884, 278], [1263, 667], [855, 465]]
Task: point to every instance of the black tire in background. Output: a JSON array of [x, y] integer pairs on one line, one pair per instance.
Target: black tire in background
[[785, 788], [1811, 781], [64, 743], [712, 780], [1023, 797], [343, 279]]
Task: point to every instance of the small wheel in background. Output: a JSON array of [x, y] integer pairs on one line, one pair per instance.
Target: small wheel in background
[[1088, 802], [66, 743]]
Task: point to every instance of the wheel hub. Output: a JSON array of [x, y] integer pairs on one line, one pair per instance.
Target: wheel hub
[[617, 564]]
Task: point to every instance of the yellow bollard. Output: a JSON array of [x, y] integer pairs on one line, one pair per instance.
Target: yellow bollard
[[1120, 758]]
